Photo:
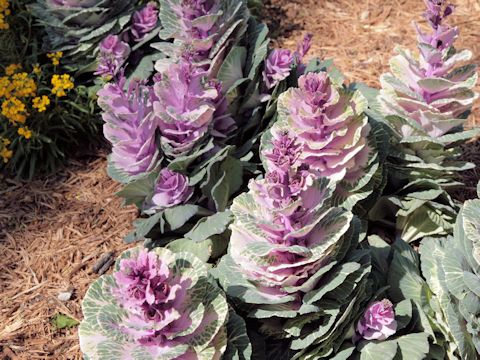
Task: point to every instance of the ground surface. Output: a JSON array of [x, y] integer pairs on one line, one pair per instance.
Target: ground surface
[[52, 231]]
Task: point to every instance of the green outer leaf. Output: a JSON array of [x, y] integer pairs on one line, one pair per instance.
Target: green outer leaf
[[413, 346], [403, 314], [231, 70], [258, 39], [144, 226], [404, 275], [209, 226], [138, 190], [237, 287], [177, 216], [230, 182], [201, 249], [145, 68], [239, 347], [381, 350]]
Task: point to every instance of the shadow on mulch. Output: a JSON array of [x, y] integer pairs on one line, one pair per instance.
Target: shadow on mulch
[[52, 231], [24, 201], [282, 18], [470, 178]]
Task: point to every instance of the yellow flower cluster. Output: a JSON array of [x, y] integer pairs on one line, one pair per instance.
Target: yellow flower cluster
[[25, 132], [14, 110], [4, 11], [12, 68], [16, 84], [55, 57], [36, 69], [24, 86], [61, 83], [41, 103], [5, 153], [5, 87], [19, 98], [16, 87]]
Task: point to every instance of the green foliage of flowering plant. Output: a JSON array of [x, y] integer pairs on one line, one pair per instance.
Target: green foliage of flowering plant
[[45, 113]]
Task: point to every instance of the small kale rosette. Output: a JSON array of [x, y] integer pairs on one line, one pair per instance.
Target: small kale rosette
[[156, 305]]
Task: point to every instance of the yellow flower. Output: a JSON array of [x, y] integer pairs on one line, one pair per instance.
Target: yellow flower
[[36, 69], [23, 85], [4, 152], [25, 132], [55, 57], [4, 5], [12, 69], [61, 83], [5, 87], [4, 11], [41, 103], [14, 110]]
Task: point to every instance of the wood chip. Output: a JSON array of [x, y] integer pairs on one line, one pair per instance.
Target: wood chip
[[102, 261]]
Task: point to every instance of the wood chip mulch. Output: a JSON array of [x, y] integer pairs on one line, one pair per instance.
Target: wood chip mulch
[[54, 230], [52, 233]]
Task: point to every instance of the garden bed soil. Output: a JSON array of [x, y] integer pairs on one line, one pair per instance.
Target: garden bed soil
[[54, 230]]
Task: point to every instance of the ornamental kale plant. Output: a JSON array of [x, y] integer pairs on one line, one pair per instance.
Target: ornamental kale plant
[[194, 124], [158, 305], [292, 252], [204, 29], [128, 53], [378, 322], [405, 324], [77, 26], [337, 139], [279, 63], [188, 106], [46, 113], [129, 126], [112, 56], [425, 101], [452, 267]]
